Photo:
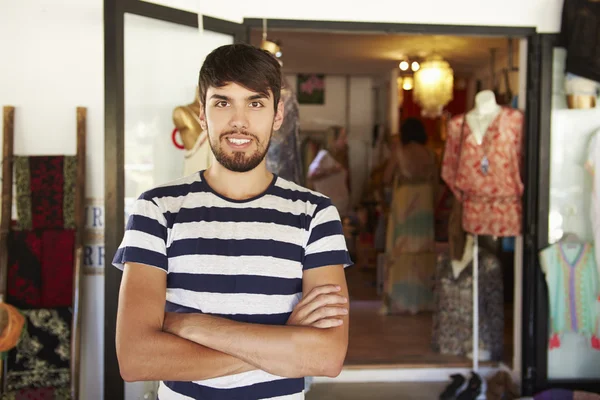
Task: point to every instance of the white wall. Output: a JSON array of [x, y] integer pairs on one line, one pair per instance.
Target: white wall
[[53, 63], [333, 112], [541, 14]]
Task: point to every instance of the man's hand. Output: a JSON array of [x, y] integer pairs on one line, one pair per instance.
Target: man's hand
[[320, 308]]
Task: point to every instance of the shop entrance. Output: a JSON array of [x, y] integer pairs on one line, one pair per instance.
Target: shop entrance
[[405, 339]]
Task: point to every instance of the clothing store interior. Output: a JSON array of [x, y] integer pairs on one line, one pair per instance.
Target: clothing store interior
[[379, 122]]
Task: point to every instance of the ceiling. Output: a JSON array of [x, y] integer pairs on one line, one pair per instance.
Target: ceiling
[[367, 53]]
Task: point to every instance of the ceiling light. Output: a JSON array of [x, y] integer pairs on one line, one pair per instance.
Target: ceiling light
[[403, 65], [270, 46], [407, 83], [434, 85], [415, 66]]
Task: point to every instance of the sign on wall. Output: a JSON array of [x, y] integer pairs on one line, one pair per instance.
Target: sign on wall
[[93, 252]]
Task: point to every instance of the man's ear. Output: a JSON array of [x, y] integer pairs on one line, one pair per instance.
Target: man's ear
[[278, 120], [202, 117]]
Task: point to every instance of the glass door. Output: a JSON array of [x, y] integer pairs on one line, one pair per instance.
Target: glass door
[[162, 62], [569, 298]]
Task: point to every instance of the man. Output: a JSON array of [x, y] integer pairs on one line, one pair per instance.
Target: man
[[248, 266]]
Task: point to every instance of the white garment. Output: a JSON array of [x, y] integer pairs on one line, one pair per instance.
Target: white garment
[[333, 185], [198, 157], [591, 165]]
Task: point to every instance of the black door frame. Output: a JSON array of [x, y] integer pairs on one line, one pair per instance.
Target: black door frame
[[537, 290], [537, 115]]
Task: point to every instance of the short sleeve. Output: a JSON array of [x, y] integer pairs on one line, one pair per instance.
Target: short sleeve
[[326, 244], [145, 238]]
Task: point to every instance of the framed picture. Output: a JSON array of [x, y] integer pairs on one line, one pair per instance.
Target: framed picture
[[311, 89]]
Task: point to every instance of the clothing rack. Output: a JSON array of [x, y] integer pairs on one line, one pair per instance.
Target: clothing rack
[[7, 199]]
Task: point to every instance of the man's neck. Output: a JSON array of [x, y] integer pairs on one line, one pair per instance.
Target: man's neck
[[238, 185]]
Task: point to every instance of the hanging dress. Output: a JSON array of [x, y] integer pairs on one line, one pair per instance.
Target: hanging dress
[[410, 239]]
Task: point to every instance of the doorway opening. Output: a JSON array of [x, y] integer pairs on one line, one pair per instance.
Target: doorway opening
[[363, 83]]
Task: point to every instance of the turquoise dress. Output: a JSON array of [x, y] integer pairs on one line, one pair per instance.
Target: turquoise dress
[[573, 287]]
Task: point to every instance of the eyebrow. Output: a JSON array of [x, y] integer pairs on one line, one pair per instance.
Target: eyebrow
[[249, 98]]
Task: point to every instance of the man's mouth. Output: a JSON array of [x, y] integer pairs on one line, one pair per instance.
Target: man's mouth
[[238, 141]]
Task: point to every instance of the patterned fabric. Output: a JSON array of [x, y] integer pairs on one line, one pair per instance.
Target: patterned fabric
[[24, 269], [453, 316], [63, 393], [41, 359], [40, 271], [23, 193], [283, 156], [70, 183], [591, 165], [492, 200], [58, 248], [45, 192], [573, 288]]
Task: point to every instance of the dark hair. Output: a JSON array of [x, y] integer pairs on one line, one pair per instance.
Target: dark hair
[[248, 66], [413, 130]]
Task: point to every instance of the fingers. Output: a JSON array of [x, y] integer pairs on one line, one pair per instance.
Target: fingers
[[325, 312], [327, 323], [323, 300], [318, 291]]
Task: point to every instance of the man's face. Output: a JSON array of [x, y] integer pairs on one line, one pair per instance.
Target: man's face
[[239, 123]]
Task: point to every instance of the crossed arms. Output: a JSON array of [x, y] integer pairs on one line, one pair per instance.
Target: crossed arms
[[152, 345]]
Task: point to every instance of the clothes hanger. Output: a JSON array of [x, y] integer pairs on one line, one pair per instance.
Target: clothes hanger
[[570, 237]]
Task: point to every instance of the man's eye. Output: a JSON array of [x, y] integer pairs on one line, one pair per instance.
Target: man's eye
[[256, 104], [222, 103]]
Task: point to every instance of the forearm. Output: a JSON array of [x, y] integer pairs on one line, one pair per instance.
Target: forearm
[[289, 351], [163, 356]]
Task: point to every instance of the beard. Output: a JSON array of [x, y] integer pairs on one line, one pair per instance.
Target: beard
[[238, 161]]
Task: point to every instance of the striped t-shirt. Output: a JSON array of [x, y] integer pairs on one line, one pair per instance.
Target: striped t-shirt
[[238, 259]]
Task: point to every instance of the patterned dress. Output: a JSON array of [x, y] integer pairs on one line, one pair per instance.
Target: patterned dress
[[486, 177], [573, 289], [410, 237], [453, 315]]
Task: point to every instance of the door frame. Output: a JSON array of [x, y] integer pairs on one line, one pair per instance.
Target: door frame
[[537, 115], [114, 151]]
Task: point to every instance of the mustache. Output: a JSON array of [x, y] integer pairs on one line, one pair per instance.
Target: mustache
[[238, 132]]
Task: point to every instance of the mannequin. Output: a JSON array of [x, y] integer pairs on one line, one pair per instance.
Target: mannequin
[[459, 265], [197, 151], [485, 111]]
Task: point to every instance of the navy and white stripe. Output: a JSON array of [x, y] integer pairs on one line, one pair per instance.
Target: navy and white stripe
[[242, 260]]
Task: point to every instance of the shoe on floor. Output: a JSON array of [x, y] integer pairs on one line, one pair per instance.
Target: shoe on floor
[[458, 384], [475, 388]]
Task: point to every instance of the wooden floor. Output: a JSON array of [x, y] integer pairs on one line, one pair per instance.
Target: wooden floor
[[399, 340]]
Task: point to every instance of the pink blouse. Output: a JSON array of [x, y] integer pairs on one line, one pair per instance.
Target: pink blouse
[[487, 176]]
